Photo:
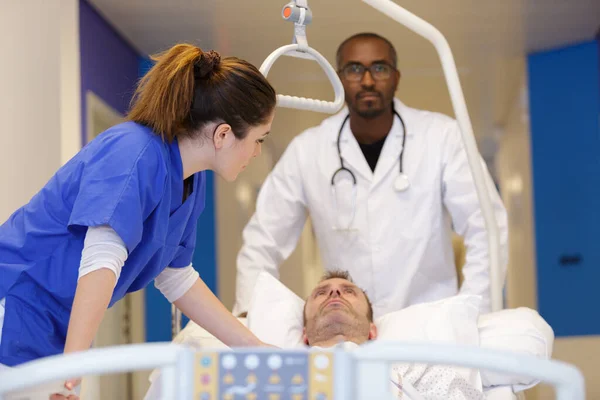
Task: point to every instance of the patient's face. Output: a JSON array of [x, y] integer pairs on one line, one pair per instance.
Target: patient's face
[[337, 307]]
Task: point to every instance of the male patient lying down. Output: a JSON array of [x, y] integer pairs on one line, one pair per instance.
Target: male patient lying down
[[337, 311]]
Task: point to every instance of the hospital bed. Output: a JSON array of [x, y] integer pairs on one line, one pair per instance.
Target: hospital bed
[[302, 374], [275, 316], [511, 333]]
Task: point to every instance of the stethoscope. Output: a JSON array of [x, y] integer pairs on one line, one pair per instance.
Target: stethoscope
[[401, 182]]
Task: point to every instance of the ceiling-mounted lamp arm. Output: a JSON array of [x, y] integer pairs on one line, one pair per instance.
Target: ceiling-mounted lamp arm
[[298, 12]]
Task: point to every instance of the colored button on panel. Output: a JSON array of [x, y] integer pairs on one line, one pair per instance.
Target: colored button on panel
[[274, 396], [228, 396], [298, 396], [321, 361], [252, 362], [229, 361], [251, 379], [274, 379], [297, 380], [206, 361], [228, 379], [251, 396], [205, 379], [275, 361]]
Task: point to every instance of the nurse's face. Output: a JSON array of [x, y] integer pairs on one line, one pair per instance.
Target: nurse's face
[[369, 76], [234, 155]]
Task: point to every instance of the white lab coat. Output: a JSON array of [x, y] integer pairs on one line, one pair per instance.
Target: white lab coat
[[401, 250]]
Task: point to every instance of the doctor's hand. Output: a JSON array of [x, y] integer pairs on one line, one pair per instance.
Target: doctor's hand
[[69, 385]]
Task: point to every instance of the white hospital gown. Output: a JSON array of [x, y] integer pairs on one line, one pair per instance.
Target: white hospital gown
[[437, 382], [433, 382]]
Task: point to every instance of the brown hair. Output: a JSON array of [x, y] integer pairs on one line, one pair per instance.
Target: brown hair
[[345, 275], [188, 88]]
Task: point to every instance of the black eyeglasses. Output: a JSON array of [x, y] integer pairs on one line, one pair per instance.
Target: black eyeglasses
[[379, 71]]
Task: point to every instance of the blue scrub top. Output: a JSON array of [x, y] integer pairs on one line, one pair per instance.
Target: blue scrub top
[[128, 178]]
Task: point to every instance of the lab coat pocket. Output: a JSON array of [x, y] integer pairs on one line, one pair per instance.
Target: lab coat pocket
[[413, 213], [343, 206]]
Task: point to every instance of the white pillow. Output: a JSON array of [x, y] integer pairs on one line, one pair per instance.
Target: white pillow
[[451, 320], [275, 313], [520, 330]]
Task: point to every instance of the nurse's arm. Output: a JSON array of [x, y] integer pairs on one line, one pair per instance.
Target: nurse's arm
[[460, 198], [92, 297], [102, 257], [204, 308]]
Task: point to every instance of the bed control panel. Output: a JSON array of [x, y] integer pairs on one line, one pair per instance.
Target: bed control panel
[[283, 375]]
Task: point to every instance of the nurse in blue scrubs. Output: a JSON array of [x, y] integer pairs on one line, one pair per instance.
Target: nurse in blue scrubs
[[122, 213]]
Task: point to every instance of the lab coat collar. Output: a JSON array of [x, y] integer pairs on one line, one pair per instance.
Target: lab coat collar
[[352, 154]]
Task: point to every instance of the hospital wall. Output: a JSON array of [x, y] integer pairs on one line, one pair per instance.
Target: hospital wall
[[39, 108], [547, 148]]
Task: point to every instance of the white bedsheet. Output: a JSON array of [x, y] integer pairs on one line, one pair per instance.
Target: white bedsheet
[[432, 383]]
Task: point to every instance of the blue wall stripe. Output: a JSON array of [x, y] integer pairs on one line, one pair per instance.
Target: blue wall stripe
[[205, 256], [565, 144]]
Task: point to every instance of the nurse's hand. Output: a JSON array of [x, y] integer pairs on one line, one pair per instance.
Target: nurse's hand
[[69, 385]]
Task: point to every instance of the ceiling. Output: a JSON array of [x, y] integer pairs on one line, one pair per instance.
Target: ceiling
[[489, 39]]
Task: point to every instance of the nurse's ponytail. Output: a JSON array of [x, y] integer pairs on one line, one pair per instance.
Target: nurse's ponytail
[[187, 88]]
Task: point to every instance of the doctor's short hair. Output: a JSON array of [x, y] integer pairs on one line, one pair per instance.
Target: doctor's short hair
[[188, 88], [365, 35], [345, 275]]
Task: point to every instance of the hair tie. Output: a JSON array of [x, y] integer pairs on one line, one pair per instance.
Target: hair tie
[[206, 64]]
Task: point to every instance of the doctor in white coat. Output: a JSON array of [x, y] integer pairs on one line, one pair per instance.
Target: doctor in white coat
[[384, 185]]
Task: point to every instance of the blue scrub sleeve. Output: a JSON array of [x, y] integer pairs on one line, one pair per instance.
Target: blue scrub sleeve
[[184, 255], [120, 186]]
